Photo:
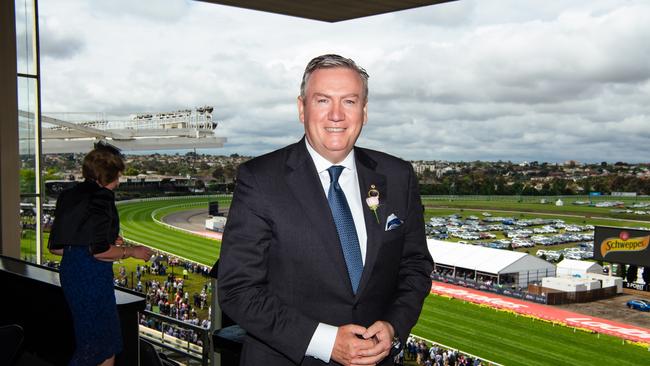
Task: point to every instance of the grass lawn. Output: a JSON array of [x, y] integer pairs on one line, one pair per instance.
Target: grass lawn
[[508, 339], [495, 335], [138, 225]]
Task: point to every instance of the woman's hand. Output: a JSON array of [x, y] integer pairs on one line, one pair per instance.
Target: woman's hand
[[141, 252]]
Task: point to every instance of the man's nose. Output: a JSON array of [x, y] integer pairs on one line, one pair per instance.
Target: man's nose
[[336, 114]]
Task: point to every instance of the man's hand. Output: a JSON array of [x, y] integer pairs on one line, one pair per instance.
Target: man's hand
[[348, 344], [381, 333]]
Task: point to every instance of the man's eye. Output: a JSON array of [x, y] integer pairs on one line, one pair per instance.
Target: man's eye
[[322, 100], [350, 102]]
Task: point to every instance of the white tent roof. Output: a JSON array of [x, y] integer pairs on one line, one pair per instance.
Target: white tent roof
[[580, 265], [484, 259]]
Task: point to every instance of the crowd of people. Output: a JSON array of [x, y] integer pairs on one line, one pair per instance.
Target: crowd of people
[[426, 354], [168, 295]]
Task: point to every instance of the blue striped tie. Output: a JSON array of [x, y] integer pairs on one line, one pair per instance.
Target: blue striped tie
[[345, 227]]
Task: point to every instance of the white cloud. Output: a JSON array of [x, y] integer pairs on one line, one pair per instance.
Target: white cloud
[[465, 80]]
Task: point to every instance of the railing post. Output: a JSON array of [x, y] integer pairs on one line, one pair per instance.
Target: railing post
[[215, 323]]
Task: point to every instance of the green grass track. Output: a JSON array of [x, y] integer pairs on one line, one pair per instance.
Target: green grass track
[[137, 225], [508, 339]]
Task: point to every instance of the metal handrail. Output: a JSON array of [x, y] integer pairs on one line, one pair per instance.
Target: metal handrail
[[201, 353]]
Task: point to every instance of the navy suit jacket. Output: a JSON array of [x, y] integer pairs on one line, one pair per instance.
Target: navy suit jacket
[[282, 270]]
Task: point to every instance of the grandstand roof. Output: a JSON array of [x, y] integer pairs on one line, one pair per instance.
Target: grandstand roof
[[482, 259]]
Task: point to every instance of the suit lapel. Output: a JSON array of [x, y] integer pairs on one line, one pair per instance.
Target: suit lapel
[[368, 177], [304, 183]]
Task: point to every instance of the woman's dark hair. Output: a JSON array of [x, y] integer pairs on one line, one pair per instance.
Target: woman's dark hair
[[103, 164]]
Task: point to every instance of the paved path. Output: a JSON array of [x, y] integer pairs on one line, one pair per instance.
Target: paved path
[[625, 331], [192, 220]]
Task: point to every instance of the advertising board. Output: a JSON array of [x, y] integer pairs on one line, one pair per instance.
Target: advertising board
[[621, 245]]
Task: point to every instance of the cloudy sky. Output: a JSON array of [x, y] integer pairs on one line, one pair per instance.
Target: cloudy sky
[[469, 80]]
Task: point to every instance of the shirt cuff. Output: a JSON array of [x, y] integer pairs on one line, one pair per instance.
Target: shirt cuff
[[322, 342]]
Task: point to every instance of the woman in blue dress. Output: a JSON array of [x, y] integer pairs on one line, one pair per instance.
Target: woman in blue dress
[[86, 232]]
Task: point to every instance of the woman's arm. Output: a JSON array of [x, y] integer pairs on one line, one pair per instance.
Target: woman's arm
[[117, 252], [56, 251]]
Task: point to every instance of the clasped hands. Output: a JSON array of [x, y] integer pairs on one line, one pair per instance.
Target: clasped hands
[[357, 345]]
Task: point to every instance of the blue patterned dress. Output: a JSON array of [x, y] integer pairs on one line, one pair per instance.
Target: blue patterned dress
[[86, 222], [88, 287]]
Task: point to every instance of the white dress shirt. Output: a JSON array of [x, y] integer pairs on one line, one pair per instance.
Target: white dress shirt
[[322, 342]]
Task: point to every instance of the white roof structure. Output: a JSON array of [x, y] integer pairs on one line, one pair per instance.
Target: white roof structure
[[183, 129], [575, 268], [491, 261], [484, 259]]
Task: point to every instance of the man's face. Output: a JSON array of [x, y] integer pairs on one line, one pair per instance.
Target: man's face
[[333, 111]]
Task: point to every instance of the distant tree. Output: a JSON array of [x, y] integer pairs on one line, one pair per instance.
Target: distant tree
[[529, 190], [52, 173], [618, 184], [131, 171], [510, 248], [27, 181], [633, 185], [561, 257], [631, 273], [543, 256], [586, 185], [217, 173], [645, 187], [558, 186], [600, 185], [204, 166], [229, 172], [516, 188], [620, 270], [427, 176], [212, 185], [172, 169]]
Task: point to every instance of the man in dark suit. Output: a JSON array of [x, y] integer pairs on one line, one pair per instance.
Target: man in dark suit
[[324, 257]]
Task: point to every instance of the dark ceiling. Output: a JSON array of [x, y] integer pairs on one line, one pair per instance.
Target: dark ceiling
[[328, 10]]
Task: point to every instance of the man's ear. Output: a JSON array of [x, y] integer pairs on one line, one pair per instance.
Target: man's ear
[[365, 114], [301, 110]]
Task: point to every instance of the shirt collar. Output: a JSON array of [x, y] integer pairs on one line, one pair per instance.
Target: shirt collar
[[323, 164]]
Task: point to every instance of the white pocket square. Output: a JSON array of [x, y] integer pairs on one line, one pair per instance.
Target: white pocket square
[[393, 222]]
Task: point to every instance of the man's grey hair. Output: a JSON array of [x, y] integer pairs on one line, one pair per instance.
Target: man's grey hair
[[331, 61]]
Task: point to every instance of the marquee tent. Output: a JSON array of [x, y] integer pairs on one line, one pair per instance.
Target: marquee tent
[[574, 268], [483, 264]]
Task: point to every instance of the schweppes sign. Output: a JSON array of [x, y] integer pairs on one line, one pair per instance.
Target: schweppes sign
[[624, 243]]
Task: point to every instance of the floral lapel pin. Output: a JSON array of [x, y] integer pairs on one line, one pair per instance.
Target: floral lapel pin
[[373, 200]]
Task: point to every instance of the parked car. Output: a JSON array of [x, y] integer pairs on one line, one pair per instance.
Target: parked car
[[641, 305]]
